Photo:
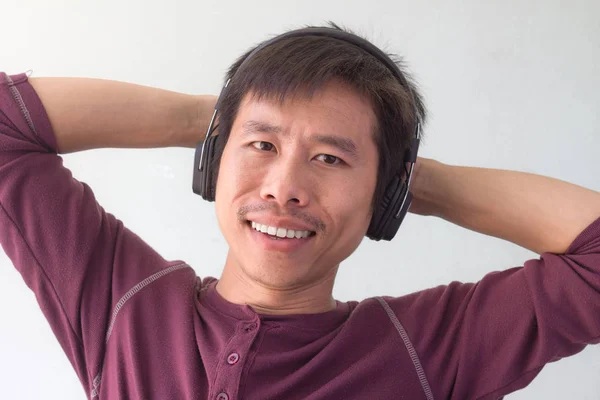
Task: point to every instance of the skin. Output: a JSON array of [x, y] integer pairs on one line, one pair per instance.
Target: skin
[[287, 174]]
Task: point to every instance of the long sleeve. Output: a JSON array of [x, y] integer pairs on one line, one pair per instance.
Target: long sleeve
[[487, 339], [78, 259]]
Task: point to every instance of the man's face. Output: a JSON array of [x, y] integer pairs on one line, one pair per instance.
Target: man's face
[[305, 170]]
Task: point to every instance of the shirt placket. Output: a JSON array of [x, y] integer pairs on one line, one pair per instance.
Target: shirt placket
[[235, 356]]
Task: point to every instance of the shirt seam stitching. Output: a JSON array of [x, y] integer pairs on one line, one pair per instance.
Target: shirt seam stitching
[[18, 98], [409, 347], [119, 306], [136, 289]]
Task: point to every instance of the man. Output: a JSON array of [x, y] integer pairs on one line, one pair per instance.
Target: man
[[309, 136]]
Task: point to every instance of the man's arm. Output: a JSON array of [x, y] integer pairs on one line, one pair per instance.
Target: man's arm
[[487, 339], [78, 259], [539, 213], [95, 113]]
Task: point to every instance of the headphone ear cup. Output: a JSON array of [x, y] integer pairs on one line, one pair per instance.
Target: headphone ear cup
[[381, 209], [202, 181], [197, 175], [390, 229], [384, 223], [209, 184]]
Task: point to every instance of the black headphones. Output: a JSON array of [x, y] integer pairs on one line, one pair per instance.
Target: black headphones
[[389, 214]]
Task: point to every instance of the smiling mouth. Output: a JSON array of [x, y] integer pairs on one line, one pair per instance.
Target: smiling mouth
[[280, 233]]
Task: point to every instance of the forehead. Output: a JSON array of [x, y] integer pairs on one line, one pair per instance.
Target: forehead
[[335, 108]]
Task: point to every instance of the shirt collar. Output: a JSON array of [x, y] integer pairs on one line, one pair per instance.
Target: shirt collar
[[325, 321]]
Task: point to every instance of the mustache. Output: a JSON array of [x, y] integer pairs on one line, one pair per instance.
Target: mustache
[[316, 223]]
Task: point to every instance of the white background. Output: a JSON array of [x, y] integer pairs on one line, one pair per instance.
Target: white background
[[510, 84]]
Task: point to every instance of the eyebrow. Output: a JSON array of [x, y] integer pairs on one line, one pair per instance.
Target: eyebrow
[[250, 127], [345, 145]]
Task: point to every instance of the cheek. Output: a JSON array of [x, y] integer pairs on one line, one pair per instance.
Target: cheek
[[351, 203], [235, 178], [352, 214], [226, 188]]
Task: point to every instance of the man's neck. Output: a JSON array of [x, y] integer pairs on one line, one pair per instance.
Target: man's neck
[[237, 287]]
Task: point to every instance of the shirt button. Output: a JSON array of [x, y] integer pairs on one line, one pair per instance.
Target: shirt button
[[222, 396], [233, 358]]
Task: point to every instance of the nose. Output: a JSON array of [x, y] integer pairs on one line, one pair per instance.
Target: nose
[[287, 183]]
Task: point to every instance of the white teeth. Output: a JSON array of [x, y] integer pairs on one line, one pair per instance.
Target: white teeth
[[279, 232]]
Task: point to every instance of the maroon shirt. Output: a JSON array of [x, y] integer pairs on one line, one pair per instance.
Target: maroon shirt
[[136, 326]]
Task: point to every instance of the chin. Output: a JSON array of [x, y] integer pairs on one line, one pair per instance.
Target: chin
[[274, 273]]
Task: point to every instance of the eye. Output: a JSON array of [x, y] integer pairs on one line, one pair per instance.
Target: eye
[[329, 159], [264, 146]]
